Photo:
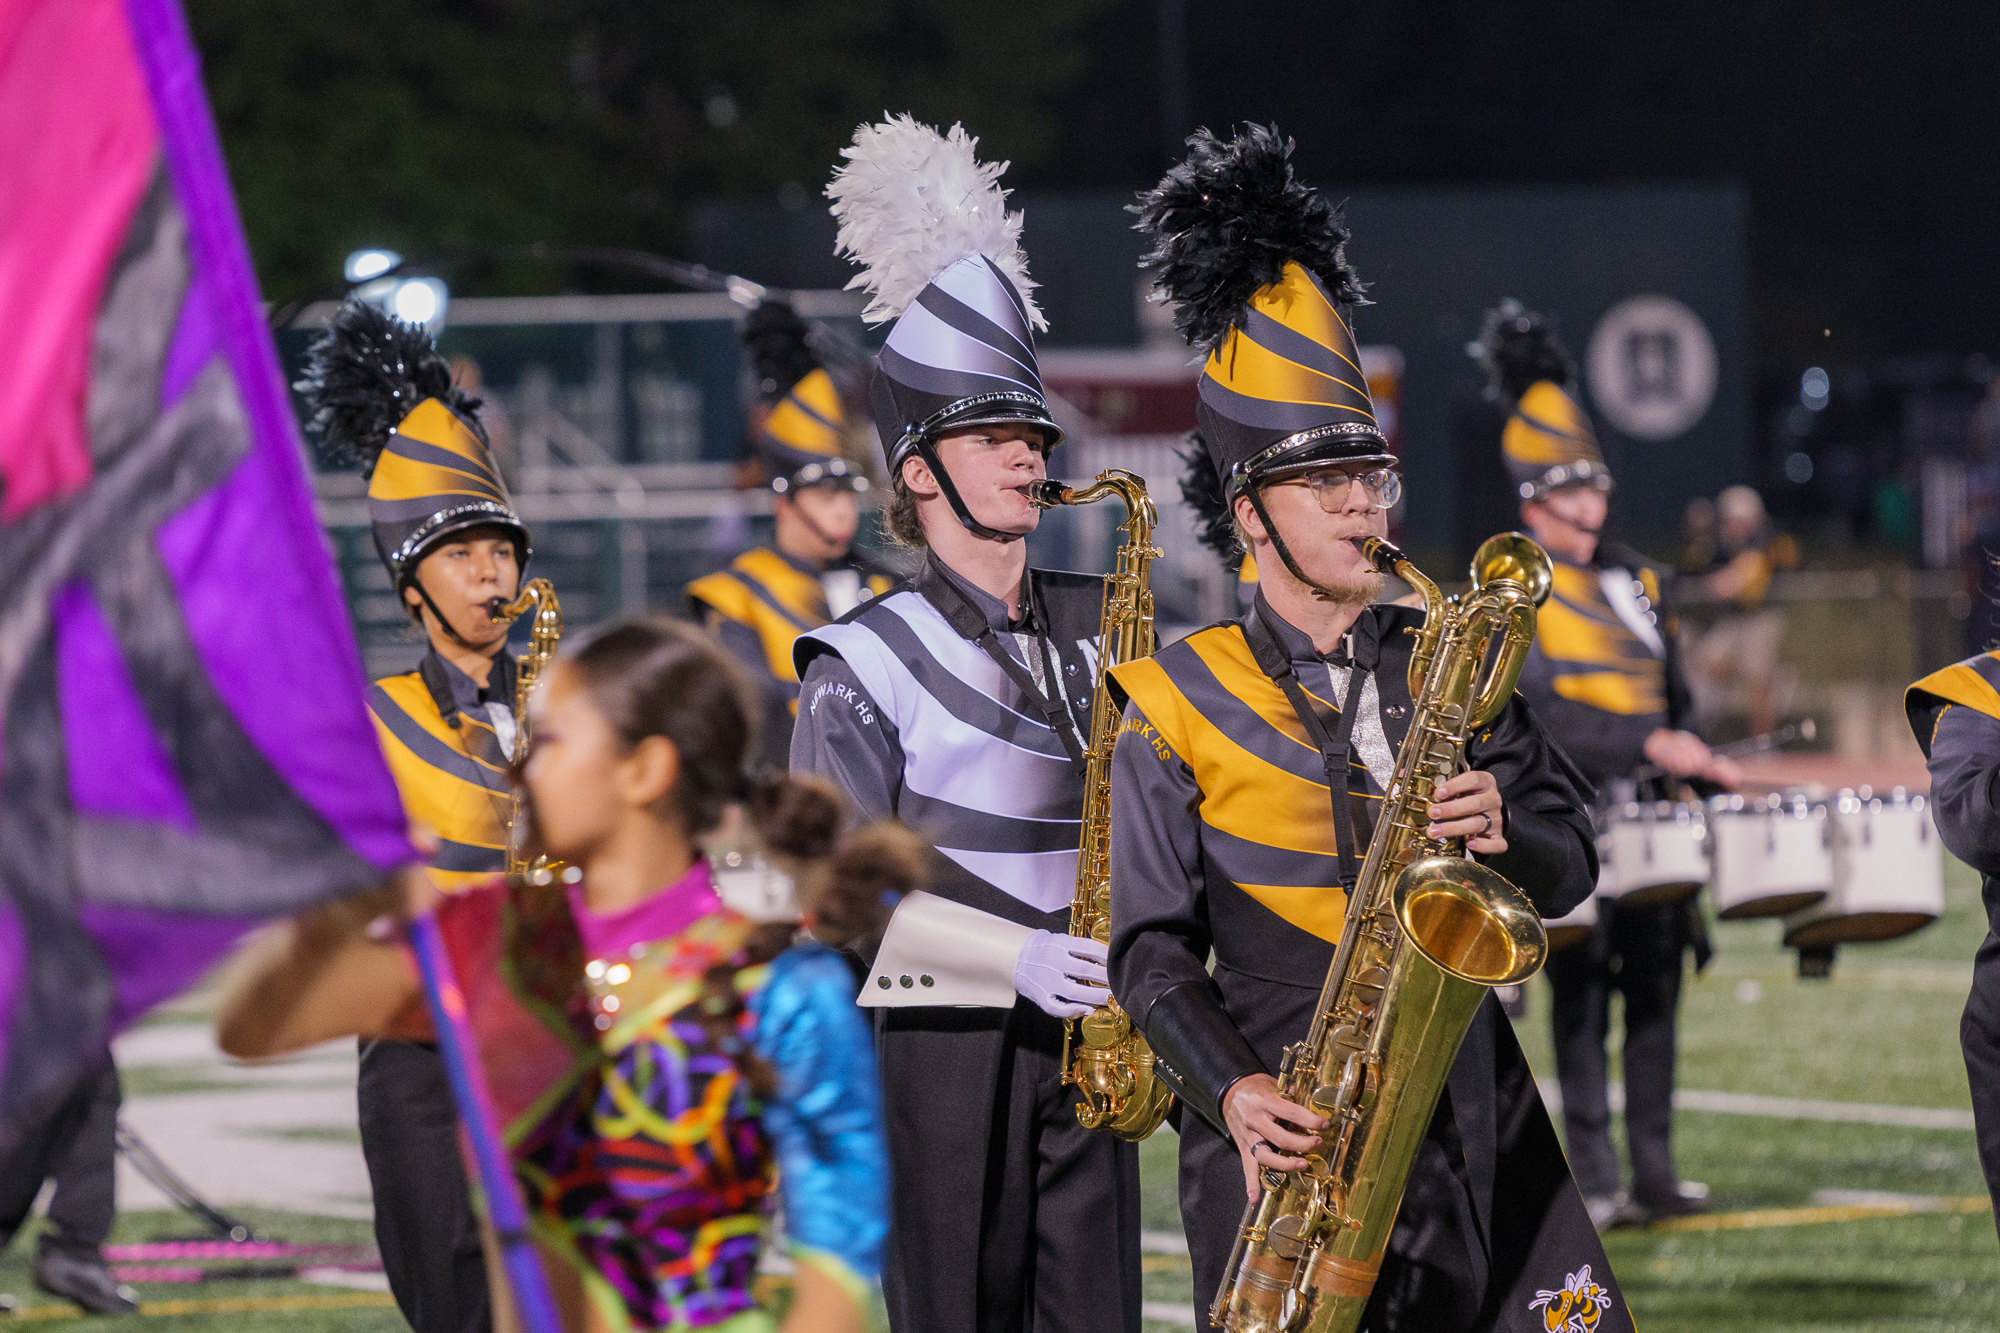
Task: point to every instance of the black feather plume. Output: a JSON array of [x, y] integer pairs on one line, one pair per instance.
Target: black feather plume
[[1519, 349], [363, 375], [1201, 487], [1227, 220], [780, 348]]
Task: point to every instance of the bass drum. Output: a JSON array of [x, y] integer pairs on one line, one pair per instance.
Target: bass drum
[[1888, 873], [1574, 927], [1653, 852], [1773, 854]]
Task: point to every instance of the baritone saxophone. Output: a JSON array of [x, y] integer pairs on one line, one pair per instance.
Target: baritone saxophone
[[1104, 1056], [544, 633], [1427, 934]]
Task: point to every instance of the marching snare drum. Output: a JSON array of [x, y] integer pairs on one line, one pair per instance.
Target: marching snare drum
[[1773, 854], [1573, 928], [1888, 875], [1652, 852]]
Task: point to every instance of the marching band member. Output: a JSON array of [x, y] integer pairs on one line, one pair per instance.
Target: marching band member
[[1955, 714], [1604, 677], [957, 705], [1233, 830], [661, 1067], [447, 532], [808, 575]]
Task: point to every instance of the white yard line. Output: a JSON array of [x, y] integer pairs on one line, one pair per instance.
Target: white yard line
[[1168, 1312], [273, 1139], [1789, 1108]]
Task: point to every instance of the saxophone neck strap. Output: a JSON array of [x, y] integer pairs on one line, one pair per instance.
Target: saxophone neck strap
[[1330, 735], [500, 682], [959, 611]]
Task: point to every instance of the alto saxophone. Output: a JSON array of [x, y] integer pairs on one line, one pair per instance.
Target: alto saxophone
[[544, 632], [1112, 1068], [1427, 934]]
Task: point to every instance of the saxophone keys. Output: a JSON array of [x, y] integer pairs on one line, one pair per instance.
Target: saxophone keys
[[1288, 1236], [1104, 1027]]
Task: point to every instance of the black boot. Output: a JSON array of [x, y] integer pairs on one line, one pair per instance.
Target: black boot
[[85, 1279]]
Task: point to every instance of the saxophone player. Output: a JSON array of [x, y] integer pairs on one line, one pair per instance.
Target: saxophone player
[[1236, 820], [447, 532], [959, 704]]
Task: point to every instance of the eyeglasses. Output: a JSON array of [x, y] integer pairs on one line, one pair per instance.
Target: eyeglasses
[[1383, 486]]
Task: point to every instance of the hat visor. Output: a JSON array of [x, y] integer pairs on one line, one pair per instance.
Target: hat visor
[[986, 410], [462, 521], [1316, 448]]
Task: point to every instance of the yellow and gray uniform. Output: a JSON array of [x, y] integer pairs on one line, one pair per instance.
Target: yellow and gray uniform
[[1225, 849], [758, 606], [448, 742], [1604, 675], [1955, 714], [1604, 672]]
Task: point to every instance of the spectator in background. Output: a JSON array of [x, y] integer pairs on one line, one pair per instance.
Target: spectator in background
[[1697, 536], [1740, 652]]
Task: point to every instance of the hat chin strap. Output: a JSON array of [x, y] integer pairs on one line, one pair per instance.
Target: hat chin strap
[[1284, 551], [927, 451], [798, 512], [442, 618]]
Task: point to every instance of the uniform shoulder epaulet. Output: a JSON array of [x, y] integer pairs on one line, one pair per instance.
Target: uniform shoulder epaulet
[[809, 645], [1973, 683]]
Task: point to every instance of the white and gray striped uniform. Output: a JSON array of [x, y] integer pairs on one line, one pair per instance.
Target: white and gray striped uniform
[[917, 723]]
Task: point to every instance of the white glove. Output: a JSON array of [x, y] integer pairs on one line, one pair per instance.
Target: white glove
[[1064, 975]]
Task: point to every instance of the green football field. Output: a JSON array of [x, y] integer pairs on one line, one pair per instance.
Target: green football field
[[1819, 1223]]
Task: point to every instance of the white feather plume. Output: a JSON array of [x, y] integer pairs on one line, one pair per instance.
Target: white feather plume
[[911, 203]]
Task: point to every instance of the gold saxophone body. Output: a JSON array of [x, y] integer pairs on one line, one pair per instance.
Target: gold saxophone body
[[1104, 1057], [544, 633], [1427, 934]]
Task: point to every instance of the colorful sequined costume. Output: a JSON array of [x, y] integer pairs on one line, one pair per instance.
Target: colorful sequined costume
[[666, 1076]]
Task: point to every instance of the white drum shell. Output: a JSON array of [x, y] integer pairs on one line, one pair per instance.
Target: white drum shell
[[1653, 855], [1770, 862], [1888, 876], [1574, 927]]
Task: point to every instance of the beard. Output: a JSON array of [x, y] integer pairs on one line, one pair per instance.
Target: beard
[[1359, 590]]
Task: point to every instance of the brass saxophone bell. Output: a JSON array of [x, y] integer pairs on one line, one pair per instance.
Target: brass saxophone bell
[[1517, 558]]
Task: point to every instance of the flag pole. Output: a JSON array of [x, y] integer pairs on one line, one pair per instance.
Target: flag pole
[[475, 1111], [193, 151]]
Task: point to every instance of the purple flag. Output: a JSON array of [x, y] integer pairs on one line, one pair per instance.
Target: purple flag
[[184, 747]]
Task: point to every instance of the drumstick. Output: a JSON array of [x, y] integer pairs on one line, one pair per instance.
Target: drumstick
[[1802, 730]]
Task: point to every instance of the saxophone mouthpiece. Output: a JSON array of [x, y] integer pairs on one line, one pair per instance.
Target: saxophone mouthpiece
[[1379, 553], [1044, 494]]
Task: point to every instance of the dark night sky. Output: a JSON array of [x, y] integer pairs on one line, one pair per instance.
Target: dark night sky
[[1865, 133]]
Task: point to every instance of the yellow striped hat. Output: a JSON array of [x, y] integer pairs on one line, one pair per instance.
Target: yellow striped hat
[[435, 477], [1549, 443]]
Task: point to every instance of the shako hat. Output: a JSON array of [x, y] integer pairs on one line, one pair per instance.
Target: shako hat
[[940, 255], [1254, 263], [1547, 441], [382, 399], [803, 425]]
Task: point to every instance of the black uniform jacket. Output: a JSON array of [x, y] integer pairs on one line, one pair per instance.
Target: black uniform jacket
[[1222, 841], [1955, 714]]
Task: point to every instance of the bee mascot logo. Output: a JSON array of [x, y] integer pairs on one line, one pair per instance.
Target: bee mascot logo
[[1574, 1309]]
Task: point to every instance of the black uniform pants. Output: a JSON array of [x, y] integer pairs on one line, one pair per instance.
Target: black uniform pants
[[1635, 951], [1006, 1215], [1979, 1036], [424, 1222], [78, 1145]]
